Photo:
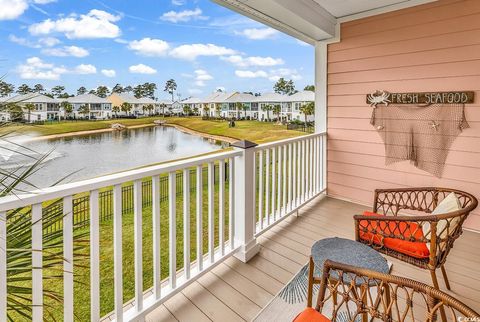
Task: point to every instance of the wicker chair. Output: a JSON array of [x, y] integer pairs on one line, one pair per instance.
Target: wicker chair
[[387, 297], [437, 232]]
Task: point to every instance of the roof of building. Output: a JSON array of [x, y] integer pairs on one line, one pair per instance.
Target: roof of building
[[241, 98], [270, 98], [89, 99], [217, 97], [31, 98], [192, 100], [302, 96]]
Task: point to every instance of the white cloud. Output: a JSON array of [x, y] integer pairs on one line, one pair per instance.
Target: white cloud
[[288, 73], [194, 91], [43, 1], [36, 68], [183, 16], [251, 74], [178, 2], [49, 41], [65, 51], [12, 9], [149, 47], [85, 69], [95, 24], [142, 69], [109, 72], [192, 51], [201, 76], [257, 33], [253, 61], [42, 42]]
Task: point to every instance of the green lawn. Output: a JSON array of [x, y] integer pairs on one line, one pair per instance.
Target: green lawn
[[259, 132], [255, 131]]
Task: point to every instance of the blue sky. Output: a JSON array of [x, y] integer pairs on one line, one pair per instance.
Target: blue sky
[[199, 44]]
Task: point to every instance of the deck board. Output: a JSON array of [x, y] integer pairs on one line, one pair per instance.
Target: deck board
[[235, 291]]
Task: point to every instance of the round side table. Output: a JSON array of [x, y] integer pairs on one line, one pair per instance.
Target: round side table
[[344, 251]]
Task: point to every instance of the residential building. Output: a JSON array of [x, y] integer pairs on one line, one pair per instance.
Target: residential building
[[164, 106], [194, 103], [140, 106], [215, 103], [44, 107], [91, 106], [293, 103], [239, 105]]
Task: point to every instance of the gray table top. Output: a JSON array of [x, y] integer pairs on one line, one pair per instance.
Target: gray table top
[[348, 252]]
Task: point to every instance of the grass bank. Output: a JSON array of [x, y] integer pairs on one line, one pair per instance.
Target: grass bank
[[259, 132]]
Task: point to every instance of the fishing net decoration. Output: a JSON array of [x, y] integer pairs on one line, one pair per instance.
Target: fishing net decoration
[[421, 134]]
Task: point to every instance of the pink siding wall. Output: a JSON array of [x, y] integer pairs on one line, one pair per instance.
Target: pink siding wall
[[433, 47]]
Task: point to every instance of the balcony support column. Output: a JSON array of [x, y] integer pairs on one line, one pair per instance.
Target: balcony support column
[[321, 59], [244, 217]]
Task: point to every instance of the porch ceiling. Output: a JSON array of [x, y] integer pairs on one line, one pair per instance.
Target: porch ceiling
[[313, 20]]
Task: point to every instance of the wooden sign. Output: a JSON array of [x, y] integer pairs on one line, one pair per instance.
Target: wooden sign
[[383, 97]]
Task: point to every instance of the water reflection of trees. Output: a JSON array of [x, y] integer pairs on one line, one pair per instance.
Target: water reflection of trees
[[172, 142]]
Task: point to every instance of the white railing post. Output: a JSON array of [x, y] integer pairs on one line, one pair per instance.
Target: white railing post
[[245, 201]]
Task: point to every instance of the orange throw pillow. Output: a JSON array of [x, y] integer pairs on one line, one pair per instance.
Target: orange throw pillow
[[310, 315], [406, 229]]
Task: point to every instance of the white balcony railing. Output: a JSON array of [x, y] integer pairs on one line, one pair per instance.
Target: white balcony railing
[[255, 188]]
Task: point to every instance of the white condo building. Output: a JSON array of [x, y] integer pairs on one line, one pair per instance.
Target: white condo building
[[43, 107], [98, 107]]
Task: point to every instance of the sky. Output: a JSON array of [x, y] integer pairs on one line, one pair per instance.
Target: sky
[[200, 44]]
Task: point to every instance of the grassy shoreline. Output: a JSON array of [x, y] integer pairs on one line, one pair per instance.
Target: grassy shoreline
[[259, 132]]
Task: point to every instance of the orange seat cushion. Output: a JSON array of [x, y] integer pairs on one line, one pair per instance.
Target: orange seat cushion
[[406, 229], [311, 315]]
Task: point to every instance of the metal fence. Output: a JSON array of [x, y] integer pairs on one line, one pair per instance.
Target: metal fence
[[301, 127], [81, 204]]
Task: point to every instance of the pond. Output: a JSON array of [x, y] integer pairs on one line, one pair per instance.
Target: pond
[[87, 156]]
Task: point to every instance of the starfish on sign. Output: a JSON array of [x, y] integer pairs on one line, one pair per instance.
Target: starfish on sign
[[434, 125]]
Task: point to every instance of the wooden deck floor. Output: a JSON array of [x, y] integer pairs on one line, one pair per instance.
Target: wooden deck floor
[[235, 291]]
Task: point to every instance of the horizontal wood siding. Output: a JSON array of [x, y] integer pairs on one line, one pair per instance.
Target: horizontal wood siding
[[433, 47]]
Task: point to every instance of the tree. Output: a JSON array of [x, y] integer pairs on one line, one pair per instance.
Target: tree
[[163, 106], [115, 110], [310, 88], [82, 90], [150, 108], [238, 107], [195, 110], [282, 86], [117, 89], [6, 89], [92, 91], [206, 110], [170, 87], [15, 111], [126, 107], [67, 108], [138, 91], [267, 108], [187, 109], [84, 110], [245, 109], [149, 90], [307, 109], [218, 109], [103, 91], [128, 89], [58, 90], [277, 109], [38, 88], [24, 89], [29, 108]]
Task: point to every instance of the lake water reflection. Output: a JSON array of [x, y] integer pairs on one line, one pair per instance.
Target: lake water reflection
[[93, 155]]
